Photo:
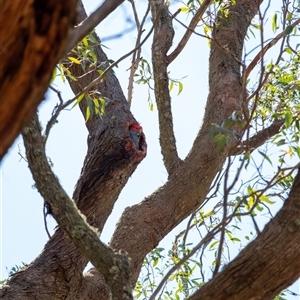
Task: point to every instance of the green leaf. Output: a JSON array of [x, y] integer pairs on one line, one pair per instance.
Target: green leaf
[[280, 142], [259, 208], [87, 113], [288, 30], [265, 156], [289, 16], [96, 102], [151, 106], [85, 42], [221, 139], [289, 51], [265, 199], [80, 97], [288, 119], [171, 86], [213, 244], [274, 22], [235, 239]]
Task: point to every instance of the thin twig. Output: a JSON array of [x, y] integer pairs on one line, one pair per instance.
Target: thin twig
[[209, 38], [195, 20], [137, 54], [218, 227], [264, 50], [258, 139], [85, 27], [109, 68], [55, 113], [45, 220]]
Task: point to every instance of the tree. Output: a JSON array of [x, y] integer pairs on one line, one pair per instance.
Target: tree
[[239, 118]]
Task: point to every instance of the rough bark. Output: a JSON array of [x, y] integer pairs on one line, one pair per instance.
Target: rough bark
[[162, 41], [188, 185], [111, 159], [32, 41], [59, 270]]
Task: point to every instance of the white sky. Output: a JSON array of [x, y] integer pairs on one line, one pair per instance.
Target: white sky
[[22, 233]]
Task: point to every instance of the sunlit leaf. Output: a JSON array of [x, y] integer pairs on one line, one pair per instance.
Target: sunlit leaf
[[180, 87], [184, 9], [80, 97], [87, 113], [155, 262], [96, 102], [265, 199], [85, 42], [171, 86], [235, 239], [213, 244], [53, 75], [74, 60]]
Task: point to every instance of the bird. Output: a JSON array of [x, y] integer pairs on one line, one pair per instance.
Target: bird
[[135, 131]]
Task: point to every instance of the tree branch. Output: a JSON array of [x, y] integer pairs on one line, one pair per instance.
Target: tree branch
[[264, 50], [257, 262], [187, 188], [136, 57], [113, 266], [162, 41], [195, 20], [258, 139], [84, 28]]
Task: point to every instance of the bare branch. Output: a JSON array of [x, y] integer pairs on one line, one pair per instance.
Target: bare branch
[[162, 41], [258, 139], [195, 20], [137, 54], [55, 113]]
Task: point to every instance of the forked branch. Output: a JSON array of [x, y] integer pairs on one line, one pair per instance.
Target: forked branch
[[113, 266], [195, 20]]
